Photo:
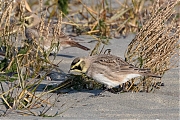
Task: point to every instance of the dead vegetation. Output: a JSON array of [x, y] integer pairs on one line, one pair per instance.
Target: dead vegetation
[[24, 59], [154, 46]]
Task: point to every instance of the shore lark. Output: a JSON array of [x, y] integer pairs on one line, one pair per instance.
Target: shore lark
[[62, 40], [108, 69], [49, 35]]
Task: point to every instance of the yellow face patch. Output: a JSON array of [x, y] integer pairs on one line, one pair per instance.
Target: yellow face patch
[[78, 65]]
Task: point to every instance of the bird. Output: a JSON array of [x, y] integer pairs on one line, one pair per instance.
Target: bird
[[108, 69], [49, 37], [62, 40]]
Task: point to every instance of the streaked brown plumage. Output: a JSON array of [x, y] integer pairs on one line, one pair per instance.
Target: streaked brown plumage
[[63, 40], [48, 37], [108, 69]]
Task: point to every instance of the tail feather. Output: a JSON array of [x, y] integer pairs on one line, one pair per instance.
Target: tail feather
[[71, 42], [153, 75], [147, 72], [81, 46], [76, 44]]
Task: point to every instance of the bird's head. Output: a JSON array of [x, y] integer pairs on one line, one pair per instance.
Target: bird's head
[[80, 65]]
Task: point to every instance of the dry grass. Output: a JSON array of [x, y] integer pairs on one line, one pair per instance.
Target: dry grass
[[156, 45], [24, 60], [100, 17], [153, 47], [104, 21]]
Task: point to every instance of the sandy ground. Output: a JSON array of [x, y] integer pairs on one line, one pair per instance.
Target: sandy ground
[[162, 104]]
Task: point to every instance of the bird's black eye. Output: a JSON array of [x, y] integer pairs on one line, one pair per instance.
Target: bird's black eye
[[118, 59], [76, 60], [80, 66], [77, 68]]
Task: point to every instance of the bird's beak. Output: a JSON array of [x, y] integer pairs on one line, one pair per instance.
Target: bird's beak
[[69, 71]]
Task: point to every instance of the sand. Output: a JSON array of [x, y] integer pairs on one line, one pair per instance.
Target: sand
[[161, 104]]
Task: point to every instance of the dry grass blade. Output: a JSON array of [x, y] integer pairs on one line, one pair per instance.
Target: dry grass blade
[[155, 46], [25, 59]]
